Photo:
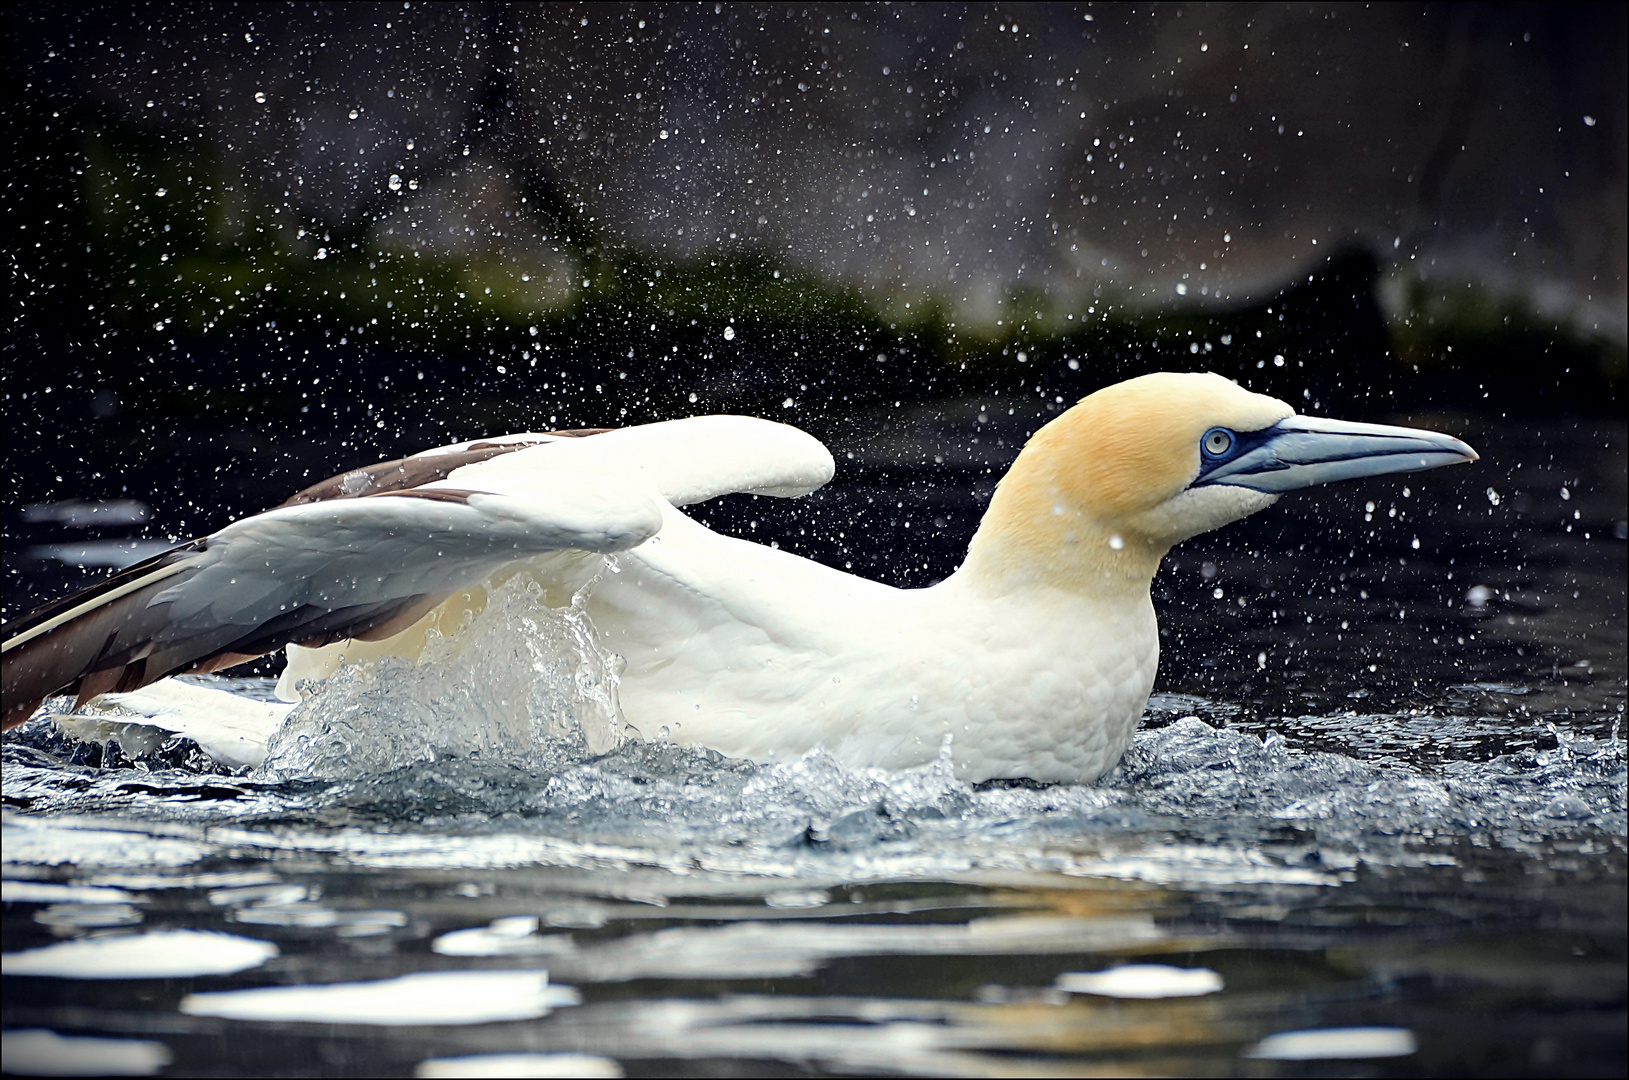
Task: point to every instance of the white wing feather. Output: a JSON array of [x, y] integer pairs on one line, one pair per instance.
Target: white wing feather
[[684, 461], [585, 494], [679, 462]]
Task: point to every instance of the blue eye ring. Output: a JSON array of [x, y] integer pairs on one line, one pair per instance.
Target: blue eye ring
[[1218, 442]]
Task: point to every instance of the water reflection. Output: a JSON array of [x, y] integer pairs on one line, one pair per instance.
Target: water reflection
[[68, 919], [1336, 1043], [36, 1052], [515, 935], [47, 892], [749, 950], [503, 1065], [161, 954], [432, 997], [1142, 981]]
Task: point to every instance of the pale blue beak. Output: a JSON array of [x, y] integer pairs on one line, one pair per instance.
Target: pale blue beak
[[1301, 451]]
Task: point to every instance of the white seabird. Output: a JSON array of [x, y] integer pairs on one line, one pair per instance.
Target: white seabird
[[1036, 656]]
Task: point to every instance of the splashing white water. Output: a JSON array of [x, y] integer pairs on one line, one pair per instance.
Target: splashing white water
[[522, 685]]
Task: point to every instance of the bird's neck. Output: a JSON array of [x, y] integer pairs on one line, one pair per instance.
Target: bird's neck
[[1031, 539]]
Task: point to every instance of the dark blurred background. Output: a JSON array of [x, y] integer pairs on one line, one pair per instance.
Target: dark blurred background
[[251, 245]]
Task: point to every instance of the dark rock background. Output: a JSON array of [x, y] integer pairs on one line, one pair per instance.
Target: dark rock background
[[949, 155]]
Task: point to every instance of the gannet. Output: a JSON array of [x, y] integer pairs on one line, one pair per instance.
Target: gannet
[[1035, 658]]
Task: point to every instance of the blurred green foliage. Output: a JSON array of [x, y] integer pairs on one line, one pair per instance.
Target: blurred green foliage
[[176, 241]]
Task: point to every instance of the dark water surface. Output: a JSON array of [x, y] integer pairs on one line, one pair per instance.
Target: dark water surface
[[1382, 787]]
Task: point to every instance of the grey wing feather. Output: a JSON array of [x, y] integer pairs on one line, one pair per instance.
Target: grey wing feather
[[308, 573]]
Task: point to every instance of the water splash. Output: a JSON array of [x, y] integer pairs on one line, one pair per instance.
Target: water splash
[[522, 685]]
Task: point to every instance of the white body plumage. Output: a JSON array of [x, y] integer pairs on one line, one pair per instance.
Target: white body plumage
[[757, 653]]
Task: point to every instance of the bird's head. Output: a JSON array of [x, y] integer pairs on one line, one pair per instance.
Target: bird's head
[[1101, 493]]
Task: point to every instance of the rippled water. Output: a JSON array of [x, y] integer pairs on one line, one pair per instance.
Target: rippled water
[[1374, 823]]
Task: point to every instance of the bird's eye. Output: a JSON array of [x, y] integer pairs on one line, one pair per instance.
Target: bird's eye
[[1217, 442]]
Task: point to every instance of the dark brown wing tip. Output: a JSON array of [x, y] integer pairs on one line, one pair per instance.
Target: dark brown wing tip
[[579, 432], [418, 469], [27, 621]]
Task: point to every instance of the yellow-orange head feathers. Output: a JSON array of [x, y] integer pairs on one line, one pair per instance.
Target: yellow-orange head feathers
[[1102, 492]]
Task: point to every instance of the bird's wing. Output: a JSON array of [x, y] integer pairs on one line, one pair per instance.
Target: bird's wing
[[313, 572], [367, 553], [684, 461]]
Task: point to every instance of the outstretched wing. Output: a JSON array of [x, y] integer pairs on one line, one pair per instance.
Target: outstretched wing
[[369, 552], [683, 461]]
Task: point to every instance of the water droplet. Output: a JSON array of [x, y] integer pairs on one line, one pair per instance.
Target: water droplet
[[729, 333], [260, 96], [395, 182]]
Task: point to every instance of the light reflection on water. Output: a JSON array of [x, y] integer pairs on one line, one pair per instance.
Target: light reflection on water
[[37, 1052], [163, 954], [1407, 878], [426, 997]]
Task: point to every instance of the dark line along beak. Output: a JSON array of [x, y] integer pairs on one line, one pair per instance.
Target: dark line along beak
[[1301, 451]]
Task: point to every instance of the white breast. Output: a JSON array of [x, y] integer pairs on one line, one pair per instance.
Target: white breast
[[764, 655]]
